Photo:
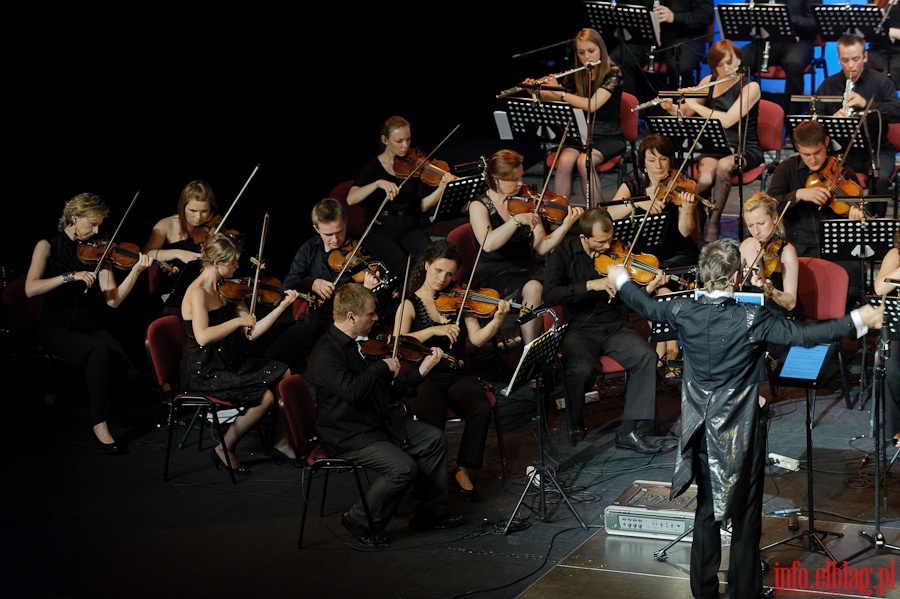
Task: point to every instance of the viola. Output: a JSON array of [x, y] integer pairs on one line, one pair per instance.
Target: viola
[[415, 164], [553, 206], [673, 186], [481, 302], [642, 267], [408, 348], [268, 290], [202, 232], [359, 264], [831, 177], [121, 255]]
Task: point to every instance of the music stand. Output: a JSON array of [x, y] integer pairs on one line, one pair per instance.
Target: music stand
[[755, 22], [682, 131], [833, 21], [806, 368], [384, 296], [839, 130], [631, 24], [890, 331], [663, 331], [542, 351], [456, 196], [652, 234], [813, 101]]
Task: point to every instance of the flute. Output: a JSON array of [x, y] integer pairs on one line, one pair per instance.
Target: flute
[[586, 65]]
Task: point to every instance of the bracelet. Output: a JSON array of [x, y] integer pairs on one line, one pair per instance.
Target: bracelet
[[68, 277], [630, 204], [515, 221]]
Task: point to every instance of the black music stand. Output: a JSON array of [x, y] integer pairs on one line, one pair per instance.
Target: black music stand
[[542, 351], [663, 331], [456, 196], [890, 332], [385, 302], [652, 234], [833, 21], [813, 101], [682, 131], [544, 121], [631, 24], [756, 23], [839, 130], [806, 368], [843, 240]]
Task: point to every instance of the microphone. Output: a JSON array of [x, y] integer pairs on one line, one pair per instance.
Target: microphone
[[529, 316]]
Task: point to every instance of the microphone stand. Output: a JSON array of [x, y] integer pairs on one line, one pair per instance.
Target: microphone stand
[[739, 156], [589, 141]]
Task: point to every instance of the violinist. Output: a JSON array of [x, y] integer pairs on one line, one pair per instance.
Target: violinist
[[864, 84], [733, 100], [72, 324], [886, 284], [808, 205], [598, 91], [679, 247], [446, 386], [884, 51], [218, 358], [597, 327], [172, 239], [514, 244], [398, 229], [774, 271], [311, 273]]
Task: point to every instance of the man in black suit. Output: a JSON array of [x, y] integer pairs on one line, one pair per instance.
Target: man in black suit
[[723, 440]]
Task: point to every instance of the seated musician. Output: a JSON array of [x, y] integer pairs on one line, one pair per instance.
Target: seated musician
[[886, 284], [449, 384], [514, 242], [803, 184], [312, 275], [733, 101], [679, 246], [597, 327]]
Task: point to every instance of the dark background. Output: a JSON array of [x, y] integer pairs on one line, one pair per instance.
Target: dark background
[[116, 98]]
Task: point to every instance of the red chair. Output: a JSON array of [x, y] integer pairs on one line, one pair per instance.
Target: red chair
[[463, 238], [818, 62], [300, 412], [165, 345], [630, 129], [822, 289], [894, 137], [356, 223]]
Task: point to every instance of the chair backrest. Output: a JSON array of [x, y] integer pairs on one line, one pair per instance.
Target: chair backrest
[[463, 238], [771, 126], [165, 346], [356, 224], [893, 135], [822, 287], [22, 313], [299, 409], [629, 119]]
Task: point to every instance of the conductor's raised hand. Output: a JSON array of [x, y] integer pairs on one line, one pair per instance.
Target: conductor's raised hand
[[615, 271]]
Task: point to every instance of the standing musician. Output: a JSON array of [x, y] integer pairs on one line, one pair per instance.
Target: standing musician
[[172, 238], [449, 384], [397, 230], [513, 242], [858, 84], [679, 247], [218, 359], [886, 283], [72, 323], [596, 327], [597, 90], [733, 100], [797, 184], [311, 273]]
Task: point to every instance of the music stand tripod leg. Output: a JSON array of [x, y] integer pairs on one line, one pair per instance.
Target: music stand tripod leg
[[815, 537]]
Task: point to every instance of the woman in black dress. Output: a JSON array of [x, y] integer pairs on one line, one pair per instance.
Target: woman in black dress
[[217, 357]]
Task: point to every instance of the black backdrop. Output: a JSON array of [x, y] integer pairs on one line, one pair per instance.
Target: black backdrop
[[114, 98]]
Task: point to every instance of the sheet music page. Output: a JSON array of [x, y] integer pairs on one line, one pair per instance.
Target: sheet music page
[[654, 18], [503, 128], [581, 123]]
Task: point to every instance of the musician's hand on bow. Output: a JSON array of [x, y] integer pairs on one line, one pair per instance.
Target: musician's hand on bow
[[816, 195], [323, 288], [450, 331], [856, 213], [390, 188], [528, 219]]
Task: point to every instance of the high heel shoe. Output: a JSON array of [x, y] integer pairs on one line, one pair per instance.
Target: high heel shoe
[[218, 462], [108, 448], [468, 494], [280, 458]]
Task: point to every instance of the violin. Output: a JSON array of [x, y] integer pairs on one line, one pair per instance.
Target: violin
[[481, 302], [359, 264], [768, 261], [831, 177], [642, 267], [681, 183], [120, 255], [408, 348], [269, 290], [202, 232], [552, 206], [415, 164]]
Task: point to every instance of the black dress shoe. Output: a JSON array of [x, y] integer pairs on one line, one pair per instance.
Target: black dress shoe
[[419, 523], [635, 441], [577, 435], [363, 537], [280, 459], [467, 494], [240, 471], [108, 448]]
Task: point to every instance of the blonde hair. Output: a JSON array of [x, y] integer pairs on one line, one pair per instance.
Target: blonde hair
[[768, 204], [220, 247], [85, 205], [195, 191]]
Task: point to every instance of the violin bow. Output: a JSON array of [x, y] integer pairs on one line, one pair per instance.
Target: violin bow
[[384, 202], [240, 193], [259, 266], [109, 243], [537, 206], [840, 162], [462, 305], [764, 243]]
